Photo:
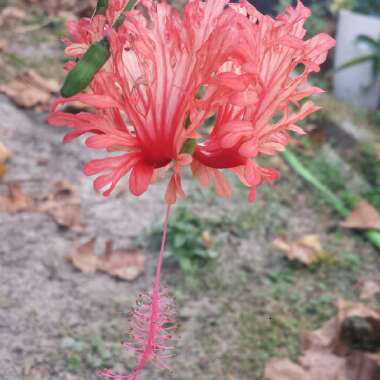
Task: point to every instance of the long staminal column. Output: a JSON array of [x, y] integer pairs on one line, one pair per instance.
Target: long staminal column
[[152, 323]]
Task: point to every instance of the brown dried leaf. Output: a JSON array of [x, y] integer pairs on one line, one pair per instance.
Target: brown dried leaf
[[332, 352], [336, 336], [123, 264], [317, 365], [83, 257], [363, 366], [29, 89], [63, 204], [67, 216], [5, 153], [307, 250], [364, 217], [367, 288], [206, 239], [324, 366], [284, 369], [24, 94], [322, 339], [15, 200], [33, 78]]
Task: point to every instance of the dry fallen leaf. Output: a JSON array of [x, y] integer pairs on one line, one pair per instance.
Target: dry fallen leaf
[[367, 289], [206, 239], [15, 200], [284, 369], [5, 154], [32, 77], [337, 351], [353, 324], [324, 366], [363, 366], [29, 89], [63, 204], [127, 265], [307, 250], [317, 365], [123, 264], [84, 258], [23, 94], [364, 217]]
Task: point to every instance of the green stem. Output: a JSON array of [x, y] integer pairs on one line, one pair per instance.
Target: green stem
[[328, 195], [119, 21]]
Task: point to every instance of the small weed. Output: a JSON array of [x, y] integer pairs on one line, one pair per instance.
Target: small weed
[[374, 118], [349, 260], [281, 277], [369, 166], [322, 306], [328, 173], [349, 199], [188, 241], [14, 60], [87, 352], [37, 16]]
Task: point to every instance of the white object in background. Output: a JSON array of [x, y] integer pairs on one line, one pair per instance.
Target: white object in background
[[356, 84]]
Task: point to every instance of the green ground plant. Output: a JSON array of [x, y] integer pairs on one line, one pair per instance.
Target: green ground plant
[[85, 352], [188, 241]]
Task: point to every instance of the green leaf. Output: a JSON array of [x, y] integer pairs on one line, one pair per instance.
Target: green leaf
[[101, 7], [371, 42], [357, 61]]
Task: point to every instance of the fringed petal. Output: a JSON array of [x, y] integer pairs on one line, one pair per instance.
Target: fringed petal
[[140, 178]]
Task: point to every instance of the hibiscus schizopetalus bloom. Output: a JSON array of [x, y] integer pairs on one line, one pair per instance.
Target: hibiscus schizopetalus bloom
[[169, 73]]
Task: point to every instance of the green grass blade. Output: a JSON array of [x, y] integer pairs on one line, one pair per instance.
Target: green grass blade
[[357, 61], [369, 41], [327, 194]]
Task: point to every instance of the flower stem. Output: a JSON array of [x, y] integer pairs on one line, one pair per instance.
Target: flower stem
[[327, 194], [163, 244]]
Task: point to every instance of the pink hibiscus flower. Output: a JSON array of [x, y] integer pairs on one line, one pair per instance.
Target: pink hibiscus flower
[[145, 96], [166, 76]]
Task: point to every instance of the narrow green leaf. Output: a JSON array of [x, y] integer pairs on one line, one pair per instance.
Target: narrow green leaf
[[327, 194], [357, 61], [371, 42], [101, 7]]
